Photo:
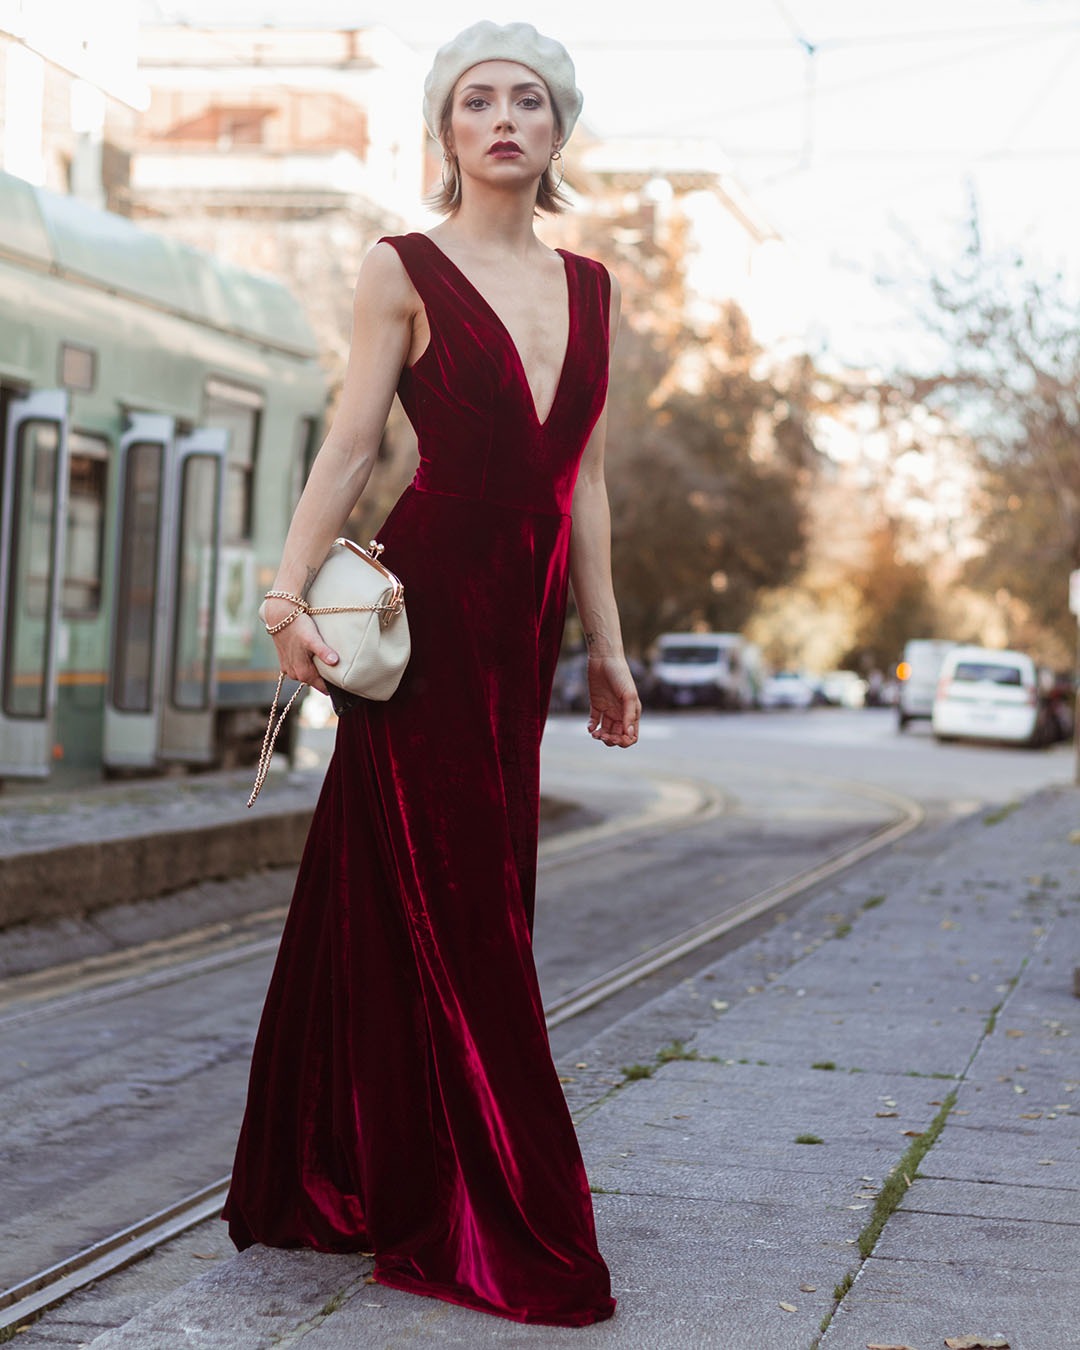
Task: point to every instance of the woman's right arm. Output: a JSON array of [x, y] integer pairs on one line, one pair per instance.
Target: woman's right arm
[[385, 309]]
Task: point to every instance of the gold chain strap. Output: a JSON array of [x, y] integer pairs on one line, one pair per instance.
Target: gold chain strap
[[270, 739]]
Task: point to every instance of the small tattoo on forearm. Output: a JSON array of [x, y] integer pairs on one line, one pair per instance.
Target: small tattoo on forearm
[[312, 573], [590, 640]]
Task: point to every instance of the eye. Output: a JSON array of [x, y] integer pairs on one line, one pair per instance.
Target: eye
[[532, 101], [476, 102]]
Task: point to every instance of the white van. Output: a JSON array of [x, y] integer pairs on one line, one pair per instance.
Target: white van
[[719, 670], [990, 695], [917, 677]]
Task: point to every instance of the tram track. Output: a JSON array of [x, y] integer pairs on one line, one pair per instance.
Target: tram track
[[683, 804], [93, 981]]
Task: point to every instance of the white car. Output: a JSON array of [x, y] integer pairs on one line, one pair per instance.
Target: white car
[[983, 694], [917, 677], [844, 689], [787, 689]]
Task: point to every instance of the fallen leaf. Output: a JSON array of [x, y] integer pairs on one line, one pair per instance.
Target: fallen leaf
[[976, 1343], [1045, 1162], [1031, 1115], [581, 1065], [947, 924], [680, 1117], [877, 1345], [886, 1115], [914, 1134], [563, 1079], [718, 1005], [1017, 1087], [808, 1288], [789, 1307], [205, 1256], [1013, 1033], [856, 1206]]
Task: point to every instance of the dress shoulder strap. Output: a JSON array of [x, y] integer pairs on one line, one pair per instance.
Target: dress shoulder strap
[[592, 283], [427, 267]]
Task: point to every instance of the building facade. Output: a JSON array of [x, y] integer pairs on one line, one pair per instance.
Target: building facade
[[69, 95]]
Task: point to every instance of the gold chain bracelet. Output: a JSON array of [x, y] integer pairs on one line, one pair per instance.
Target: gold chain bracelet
[[301, 604]]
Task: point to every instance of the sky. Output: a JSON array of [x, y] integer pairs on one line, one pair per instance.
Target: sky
[[863, 129]]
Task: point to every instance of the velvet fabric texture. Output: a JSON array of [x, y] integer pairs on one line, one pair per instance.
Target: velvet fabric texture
[[402, 1097]]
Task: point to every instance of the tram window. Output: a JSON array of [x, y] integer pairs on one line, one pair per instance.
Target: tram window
[[196, 563], [29, 579], [239, 412], [137, 578], [305, 448], [85, 539], [78, 367]]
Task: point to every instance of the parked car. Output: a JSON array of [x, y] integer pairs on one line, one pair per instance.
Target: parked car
[[787, 689], [917, 678], [719, 670], [984, 694], [570, 689], [843, 689]]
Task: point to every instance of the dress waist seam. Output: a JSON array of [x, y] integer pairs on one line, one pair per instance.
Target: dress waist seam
[[489, 501]]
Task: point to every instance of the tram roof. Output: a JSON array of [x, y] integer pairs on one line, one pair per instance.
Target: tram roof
[[111, 251]]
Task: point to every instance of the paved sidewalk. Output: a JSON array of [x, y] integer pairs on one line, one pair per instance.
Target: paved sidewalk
[[742, 1167]]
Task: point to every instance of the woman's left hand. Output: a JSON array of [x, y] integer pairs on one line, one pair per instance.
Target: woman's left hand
[[614, 706]]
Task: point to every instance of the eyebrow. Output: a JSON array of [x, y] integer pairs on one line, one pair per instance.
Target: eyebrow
[[490, 88]]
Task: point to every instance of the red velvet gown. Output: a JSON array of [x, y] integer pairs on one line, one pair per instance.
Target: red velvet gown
[[402, 1097]]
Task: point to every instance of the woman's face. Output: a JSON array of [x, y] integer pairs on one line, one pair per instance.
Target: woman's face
[[502, 126]]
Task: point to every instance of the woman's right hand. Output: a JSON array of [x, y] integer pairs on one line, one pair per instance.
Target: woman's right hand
[[297, 643]]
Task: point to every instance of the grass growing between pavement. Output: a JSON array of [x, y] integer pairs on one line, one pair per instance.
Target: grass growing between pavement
[[888, 1201], [901, 1177], [667, 1054]]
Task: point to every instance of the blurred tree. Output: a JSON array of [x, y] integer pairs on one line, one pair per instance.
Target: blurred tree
[[895, 602], [1010, 376], [711, 457]]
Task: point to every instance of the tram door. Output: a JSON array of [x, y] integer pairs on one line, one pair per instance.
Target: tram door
[[188, 708], [160, 702], [33, 509]]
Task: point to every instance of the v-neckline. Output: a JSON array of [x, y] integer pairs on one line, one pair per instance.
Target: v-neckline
[[509, 336]]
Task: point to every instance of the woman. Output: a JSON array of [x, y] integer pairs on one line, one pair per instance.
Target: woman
[[402, 1098]]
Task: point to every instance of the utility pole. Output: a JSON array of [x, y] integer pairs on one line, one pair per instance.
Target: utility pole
[[1074, 607]]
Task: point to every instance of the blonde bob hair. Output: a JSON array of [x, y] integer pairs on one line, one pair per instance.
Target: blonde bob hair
[[446, 197]]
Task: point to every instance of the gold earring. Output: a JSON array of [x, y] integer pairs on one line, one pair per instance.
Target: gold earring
[[557, 155], [448, 188]]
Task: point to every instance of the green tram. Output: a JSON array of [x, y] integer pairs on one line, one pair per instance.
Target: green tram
[[160, 410]]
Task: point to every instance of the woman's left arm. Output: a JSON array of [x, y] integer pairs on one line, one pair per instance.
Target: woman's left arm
[[614, 706]]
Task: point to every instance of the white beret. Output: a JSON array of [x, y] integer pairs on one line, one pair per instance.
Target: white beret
[[487, 41]]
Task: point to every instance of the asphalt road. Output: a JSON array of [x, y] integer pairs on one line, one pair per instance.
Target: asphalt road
[[116, 1106]]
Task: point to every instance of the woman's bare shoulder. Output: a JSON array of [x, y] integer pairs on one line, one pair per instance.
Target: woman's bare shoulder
[[383, 282]]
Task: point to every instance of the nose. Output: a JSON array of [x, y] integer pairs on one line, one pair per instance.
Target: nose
[[505, 116]]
